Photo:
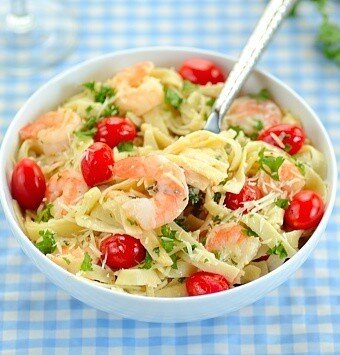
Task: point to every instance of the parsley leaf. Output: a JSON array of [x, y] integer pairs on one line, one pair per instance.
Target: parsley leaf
[[250, 233], [301, 167], [211, 102], [188, 86], [172, 98], [262, 95], [147, 262], [180, 222], [156, 250], [168, 238], [110, 110], [282, 203], [45, 214], [193, 195], [88, 129], [258, 125], [216, 219], [125, 147], [174, 259], [103, 93], [86, 265], [48, 244], [90, 85], [278, 250], [217, 197], [270, 165], [329, 40]]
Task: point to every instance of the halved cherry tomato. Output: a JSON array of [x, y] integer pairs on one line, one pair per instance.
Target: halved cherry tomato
[[121, 251], [97, 164], [28, 184], [248, 193], [203, 283], [114, 130], [305, 211], [292, 137], [201, 71]]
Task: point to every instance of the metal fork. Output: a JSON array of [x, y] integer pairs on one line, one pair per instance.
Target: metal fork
[[272, 17]]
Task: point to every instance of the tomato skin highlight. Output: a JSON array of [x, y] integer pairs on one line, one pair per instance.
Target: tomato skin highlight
[[28, 184], [201, 71], [114, 130], [204, 283], [121, 251], [248, 193], [293, 137], [97, 164], [305, 211]]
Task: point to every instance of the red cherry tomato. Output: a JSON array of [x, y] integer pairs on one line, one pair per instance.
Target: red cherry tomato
[[305, 211], [291, 136], [28, 184], [201, 71], [203, 283], [121, 251], [97, 164], [248, 193], [114, 130]]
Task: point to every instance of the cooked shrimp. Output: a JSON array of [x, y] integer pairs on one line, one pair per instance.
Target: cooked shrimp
[[65, 188], [291, 181], [52, 130], [136, 90], [232, 244], [247, 113], [169, 196]]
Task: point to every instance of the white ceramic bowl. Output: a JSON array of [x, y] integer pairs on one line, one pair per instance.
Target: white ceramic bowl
[[137, 307]]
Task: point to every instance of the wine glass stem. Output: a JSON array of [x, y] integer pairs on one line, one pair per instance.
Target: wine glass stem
[[19, 20]]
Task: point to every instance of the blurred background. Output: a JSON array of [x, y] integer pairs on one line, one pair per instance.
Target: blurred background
[[302, 315]]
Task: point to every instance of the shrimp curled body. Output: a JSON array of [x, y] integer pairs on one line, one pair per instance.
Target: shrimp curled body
[[247, 112], [65, 188], [137, 91], [52, 130], [170, 195]]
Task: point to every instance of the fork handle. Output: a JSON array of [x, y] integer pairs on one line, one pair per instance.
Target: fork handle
[[272, 17]]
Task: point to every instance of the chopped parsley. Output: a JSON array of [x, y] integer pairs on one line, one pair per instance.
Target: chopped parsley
[[181, 279], [217, 219], [156, 250], [174, 259], [45, 214], [125, 147], [278, 250], [236, 128], [270, 165], [301, 167], [188, 86], [101, 94], [88, 129], [223, 182], [168, 238], [180, 222], [211, 102], [217, 254], [48, 244], [250, 233], [172, 98], [193, 247], [110, 110], [193, 195], [86, 265], [258, 126], [282, 203], [217, 197], [262, 95], [147, 262], [67, 261]]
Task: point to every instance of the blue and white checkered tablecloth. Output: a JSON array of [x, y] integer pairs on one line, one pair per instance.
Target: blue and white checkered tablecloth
[[302, 316]]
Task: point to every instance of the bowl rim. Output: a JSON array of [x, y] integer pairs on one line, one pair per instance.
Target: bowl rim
[[15, 228]]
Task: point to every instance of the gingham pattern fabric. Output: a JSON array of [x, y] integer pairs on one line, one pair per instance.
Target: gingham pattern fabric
[[302, 316]]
